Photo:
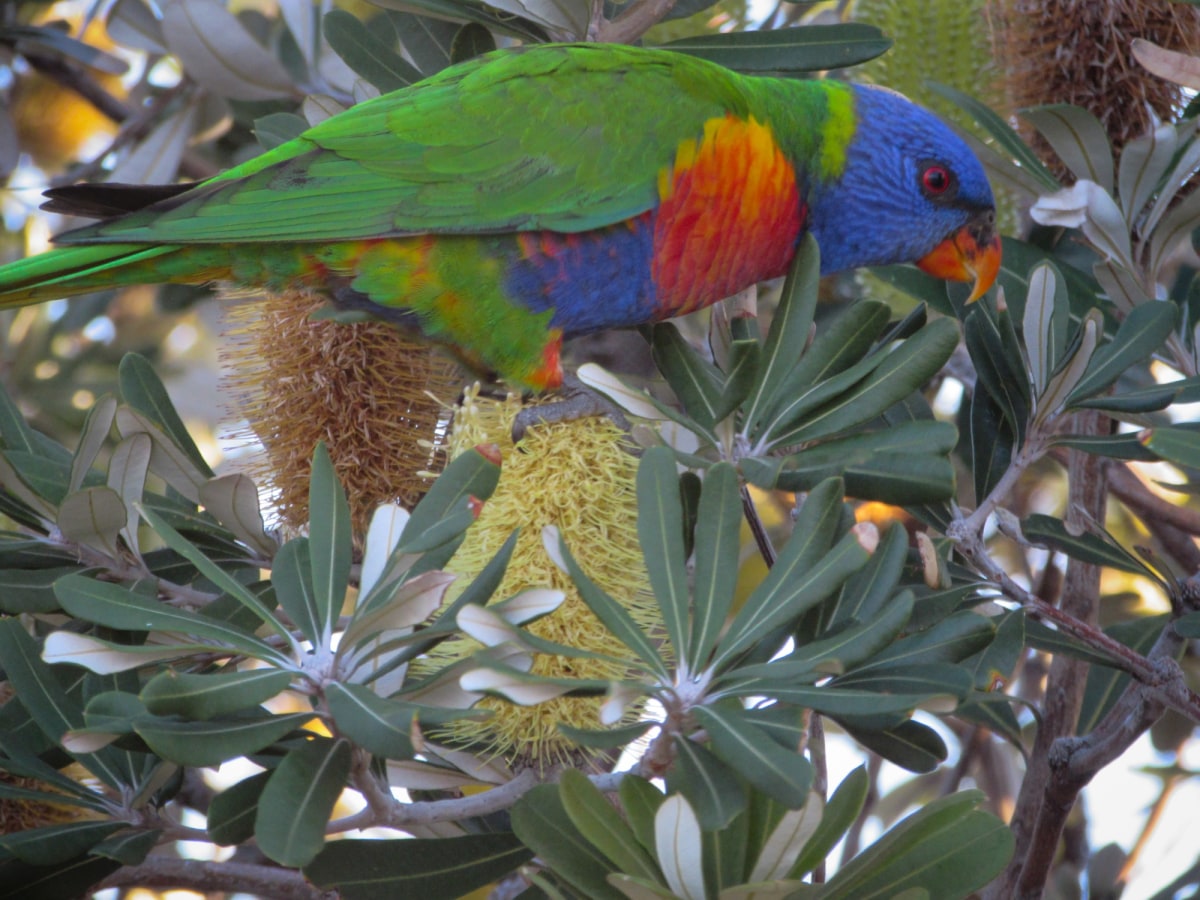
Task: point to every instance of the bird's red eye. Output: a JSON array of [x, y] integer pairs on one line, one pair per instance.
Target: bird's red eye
[[935, 179]]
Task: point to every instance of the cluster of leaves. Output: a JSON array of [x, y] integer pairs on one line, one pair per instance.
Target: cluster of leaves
[[796, 407], [142, 640], [140, 653], [660, 847]]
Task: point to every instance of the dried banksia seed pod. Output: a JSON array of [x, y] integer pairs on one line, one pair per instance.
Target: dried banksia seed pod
[[375, 395], [1078, 52]]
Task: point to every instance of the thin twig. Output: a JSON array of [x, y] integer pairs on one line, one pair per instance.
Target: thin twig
[[757, 528], [820, 785], [217, 877]]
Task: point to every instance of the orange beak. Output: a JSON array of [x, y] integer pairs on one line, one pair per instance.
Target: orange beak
[[970, 254]]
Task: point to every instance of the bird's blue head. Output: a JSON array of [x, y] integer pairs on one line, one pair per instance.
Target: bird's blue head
[[909, 190]]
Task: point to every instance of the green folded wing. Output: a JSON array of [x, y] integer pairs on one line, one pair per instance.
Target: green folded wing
[[566, 137]]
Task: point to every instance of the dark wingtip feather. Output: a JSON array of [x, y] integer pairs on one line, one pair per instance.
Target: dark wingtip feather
[[101, 201]]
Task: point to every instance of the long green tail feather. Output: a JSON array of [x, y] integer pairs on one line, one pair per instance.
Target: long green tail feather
[[77, 270]]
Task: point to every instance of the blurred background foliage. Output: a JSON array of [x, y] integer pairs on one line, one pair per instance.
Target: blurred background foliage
[[1043, 463]]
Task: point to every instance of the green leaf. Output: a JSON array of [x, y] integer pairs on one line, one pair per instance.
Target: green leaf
[[600, 824], [232, 812], [993, 442], [502, 23], [217, 740], [1050, 640], [48, 478], [607, 738], [1045, 322], [948, 848], [95, 432], [56, 844], [1188, 626], [900, 372], [381, 726], [806, 572], [867, 595], [711, 786], [1178, 445], [30, 590], [44, 697], [744, 358], [298, 799], [660, 532], [995, 713], [329, 542], [368, 52], [93, 517], [233, 500], [1088, 547], [614, 616], [469, 475], [429, 868], [291, 576], [1144, 161], [950, 640], [1139, 336], [788, 50], [65, 881], [472, 40], [110, 604], [1114, 446], [428, 41], [718, 532], [869, 469], [142, 390], [130, 848], [842, 649], [1145, 400], [1078, 138], [1004, 134], [217, 575], [841, 812], [999, 367], [541, 822], [278, 128], [994, 665], [695, 381], [1105, 684], [780, 773], [838, 359], [640, 800], [208, 696], [933, 679], [789, 331], [866, 709]]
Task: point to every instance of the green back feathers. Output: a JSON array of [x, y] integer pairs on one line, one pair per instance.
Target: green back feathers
[[566, 138]]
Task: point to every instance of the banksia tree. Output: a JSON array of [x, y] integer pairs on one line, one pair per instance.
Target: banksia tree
[[464, 671]]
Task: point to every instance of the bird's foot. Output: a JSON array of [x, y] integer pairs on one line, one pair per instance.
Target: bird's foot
[[578, 401]]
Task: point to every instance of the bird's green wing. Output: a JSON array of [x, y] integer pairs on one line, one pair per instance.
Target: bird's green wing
[[567, 137]]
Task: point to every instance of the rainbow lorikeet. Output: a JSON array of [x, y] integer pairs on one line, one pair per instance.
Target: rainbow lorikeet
[[547, 191]]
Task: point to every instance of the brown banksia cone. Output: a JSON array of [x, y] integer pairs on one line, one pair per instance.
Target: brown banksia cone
[[1078, 52], [376, 396], [579, 477]]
